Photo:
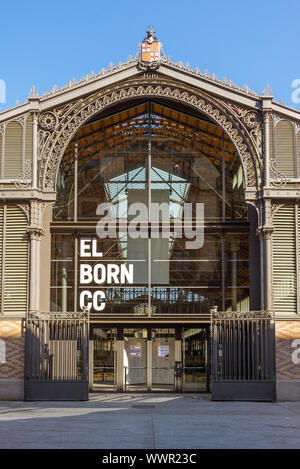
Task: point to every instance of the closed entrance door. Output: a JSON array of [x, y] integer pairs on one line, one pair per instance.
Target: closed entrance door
[[163, 359], [135, 360], [148, 359]]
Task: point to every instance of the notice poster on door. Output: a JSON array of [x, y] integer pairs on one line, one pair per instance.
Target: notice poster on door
[[135, 351], [163, 351]]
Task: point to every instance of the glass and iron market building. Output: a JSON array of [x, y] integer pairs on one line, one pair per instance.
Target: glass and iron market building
[[223, 318]]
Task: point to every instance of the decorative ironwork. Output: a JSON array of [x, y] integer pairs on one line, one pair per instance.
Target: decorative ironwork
[[278, 178], [77, 114], [48, 121], [24, 177], [245, 315], [80, 315], [253, 121], [144, 310]]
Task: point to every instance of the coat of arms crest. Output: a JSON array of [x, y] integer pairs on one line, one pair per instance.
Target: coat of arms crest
[[150, 52]]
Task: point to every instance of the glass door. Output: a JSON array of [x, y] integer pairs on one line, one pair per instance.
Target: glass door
[[195, 356], [104, 363], [135, 359], [163, 359]]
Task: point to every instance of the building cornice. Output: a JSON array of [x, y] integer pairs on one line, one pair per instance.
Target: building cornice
[[224, 89], [27, 194]]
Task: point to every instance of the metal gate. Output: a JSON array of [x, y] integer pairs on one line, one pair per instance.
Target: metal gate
[[243, 356], [56, 356]]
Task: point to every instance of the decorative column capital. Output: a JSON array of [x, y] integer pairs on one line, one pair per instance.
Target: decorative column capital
[[35, 117], [265, 232], [35, 233]]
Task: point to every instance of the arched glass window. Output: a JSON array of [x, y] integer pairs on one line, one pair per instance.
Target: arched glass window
[[159, 153]]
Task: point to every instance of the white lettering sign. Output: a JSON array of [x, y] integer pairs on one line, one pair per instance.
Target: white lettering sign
[[99, 274]]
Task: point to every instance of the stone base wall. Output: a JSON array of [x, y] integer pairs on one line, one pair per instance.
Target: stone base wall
[[287, 360], [12, 354]]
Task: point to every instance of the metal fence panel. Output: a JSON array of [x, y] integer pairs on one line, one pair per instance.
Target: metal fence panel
[[56, 356], [243, 355]]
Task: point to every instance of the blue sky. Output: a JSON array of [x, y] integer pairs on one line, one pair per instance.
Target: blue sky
[[49, 43]]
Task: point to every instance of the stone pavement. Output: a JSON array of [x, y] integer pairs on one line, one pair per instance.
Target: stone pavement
[[151, 421]]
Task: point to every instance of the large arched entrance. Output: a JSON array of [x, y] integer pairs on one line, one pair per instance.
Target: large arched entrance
[[151, 151]]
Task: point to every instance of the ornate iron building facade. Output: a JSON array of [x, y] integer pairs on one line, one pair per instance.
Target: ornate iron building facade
[[247, 150]]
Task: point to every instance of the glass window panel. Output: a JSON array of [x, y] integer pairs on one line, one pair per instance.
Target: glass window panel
[[237, 299], [62, 299], [188, 164], [237, 273], [236, 246]]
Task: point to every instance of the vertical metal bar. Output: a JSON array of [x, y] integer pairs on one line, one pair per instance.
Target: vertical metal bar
[[73, 375], [2, 151], [64, 343], [253, 350], [114, 332], [23, 143], [234, 341], [149, 207], [43, 350], [244, 342], [248, 350], [223, 271], [75, 178], [239, 349], [225, 348], [214, 346], [75, 271], [223, 182], [208, 367], [257, 347], [266, 348], [296, 169], [3, 258], [38, 346], [262, 351], [297, 256]]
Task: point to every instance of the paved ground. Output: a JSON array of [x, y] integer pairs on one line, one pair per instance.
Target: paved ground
[[154, 421]]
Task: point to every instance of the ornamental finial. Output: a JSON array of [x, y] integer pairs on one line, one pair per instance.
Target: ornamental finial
[[267, 91], [33, 93], [150, 35]]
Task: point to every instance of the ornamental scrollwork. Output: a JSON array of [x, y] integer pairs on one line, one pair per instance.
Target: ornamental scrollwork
[[23, 180], [242, 315], [251, 118], [253, 122], [275, 208], [47, 121], [26, 209], [277, 178], [82, 110], [61, 316]]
